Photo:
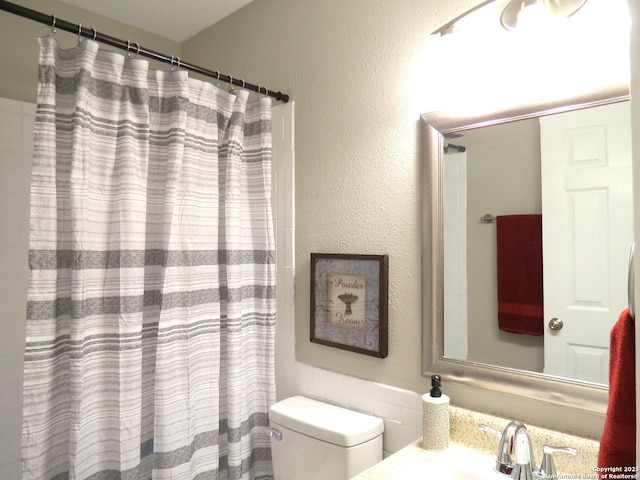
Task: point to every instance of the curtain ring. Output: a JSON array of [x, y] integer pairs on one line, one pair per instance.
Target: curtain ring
[[95, 34], [128, 49], [137, 49], [243, 83], [178, 61], [80, 33], [231, 82], [53, 26]]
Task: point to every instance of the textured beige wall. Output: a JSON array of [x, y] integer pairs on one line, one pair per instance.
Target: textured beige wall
[[19, 46], [361, 72]]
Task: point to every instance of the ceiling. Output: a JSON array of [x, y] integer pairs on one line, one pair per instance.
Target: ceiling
[[172, 19]]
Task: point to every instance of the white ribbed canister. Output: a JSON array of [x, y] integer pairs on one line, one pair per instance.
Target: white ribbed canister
[[435, 422]]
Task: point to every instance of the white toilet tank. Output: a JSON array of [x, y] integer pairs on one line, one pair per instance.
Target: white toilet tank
[[312, 440]]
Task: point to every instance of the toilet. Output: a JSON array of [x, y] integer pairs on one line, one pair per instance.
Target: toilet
[[312, 440]]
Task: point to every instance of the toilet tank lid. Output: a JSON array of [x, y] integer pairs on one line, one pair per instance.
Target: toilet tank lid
[[326, 422]]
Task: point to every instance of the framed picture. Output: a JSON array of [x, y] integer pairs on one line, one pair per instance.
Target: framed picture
[[349, 302]]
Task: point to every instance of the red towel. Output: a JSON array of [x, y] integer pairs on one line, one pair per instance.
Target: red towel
[[519, 242], [618, 442]]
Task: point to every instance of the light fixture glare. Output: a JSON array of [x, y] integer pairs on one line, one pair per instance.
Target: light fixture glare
[[533, 15], [515, 13]]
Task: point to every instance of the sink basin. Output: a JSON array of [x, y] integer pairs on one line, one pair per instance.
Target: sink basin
[[454, 473], [458, 473]]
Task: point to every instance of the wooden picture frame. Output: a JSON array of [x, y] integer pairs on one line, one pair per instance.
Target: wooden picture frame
[[349, 302]]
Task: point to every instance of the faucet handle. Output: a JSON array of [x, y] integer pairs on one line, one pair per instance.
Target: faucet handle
[[548, 466], [490, 429]]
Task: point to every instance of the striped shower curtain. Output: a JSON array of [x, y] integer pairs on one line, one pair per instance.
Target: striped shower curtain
[[151, 305]]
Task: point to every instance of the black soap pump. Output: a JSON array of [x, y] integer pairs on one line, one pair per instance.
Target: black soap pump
[[435, 417], [436, 386]]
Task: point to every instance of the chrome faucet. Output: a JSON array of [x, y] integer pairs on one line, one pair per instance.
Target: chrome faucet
[[515, 454]]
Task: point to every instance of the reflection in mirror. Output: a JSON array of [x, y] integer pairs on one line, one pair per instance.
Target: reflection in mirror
[[560, 186], [568, 165]]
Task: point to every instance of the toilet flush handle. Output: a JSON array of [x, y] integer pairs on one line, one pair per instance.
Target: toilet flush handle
[[275, 434]]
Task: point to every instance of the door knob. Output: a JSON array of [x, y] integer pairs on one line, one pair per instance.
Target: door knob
[[556, 324]]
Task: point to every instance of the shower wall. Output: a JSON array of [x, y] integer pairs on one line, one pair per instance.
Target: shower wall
[[16, 148]]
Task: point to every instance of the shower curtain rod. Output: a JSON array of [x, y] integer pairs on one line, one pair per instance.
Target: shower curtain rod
[[132, 47]]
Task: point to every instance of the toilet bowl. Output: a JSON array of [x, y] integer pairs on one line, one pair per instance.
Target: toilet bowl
[[312, 440]]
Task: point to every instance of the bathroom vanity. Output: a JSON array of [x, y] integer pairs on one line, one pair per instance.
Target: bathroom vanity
[[471, 453]]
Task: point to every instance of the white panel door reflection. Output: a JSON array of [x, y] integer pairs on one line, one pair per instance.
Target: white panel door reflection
[[587, 215]]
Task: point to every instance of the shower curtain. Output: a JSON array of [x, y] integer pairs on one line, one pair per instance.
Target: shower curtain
[[151, 306]]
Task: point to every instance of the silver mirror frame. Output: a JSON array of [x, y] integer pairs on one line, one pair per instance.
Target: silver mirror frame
[[589, 397]]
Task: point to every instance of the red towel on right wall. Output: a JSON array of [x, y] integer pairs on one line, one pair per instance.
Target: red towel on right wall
[[519, 244], [618, 442]]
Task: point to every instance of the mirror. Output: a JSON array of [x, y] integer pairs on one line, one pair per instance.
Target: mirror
[[501, 360], [561, 185]]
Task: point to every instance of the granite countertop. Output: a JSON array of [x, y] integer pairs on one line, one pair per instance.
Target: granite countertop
[[478, 449]]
